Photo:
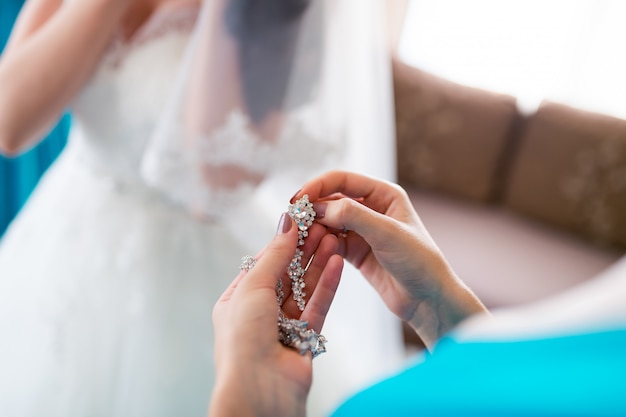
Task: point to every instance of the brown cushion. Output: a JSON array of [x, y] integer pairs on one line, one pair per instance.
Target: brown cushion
[[570, 170], [450, 137]]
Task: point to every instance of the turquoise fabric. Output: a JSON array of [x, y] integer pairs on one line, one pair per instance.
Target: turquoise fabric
[[577, 375], [18, 176]]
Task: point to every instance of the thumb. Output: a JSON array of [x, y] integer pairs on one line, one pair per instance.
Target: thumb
[[275, 258]]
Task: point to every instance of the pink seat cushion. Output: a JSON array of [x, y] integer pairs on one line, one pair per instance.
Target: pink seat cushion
[[504, 258]]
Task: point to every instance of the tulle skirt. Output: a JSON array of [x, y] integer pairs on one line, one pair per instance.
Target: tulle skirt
[[106, 293]]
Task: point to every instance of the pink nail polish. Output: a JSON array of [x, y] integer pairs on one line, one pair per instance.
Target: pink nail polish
[[284, 224], [320, 210]]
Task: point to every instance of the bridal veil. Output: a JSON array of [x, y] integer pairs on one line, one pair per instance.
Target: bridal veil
[[271, 93]]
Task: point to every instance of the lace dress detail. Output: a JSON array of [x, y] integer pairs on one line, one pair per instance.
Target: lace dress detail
[[177, 171], [106, 289]]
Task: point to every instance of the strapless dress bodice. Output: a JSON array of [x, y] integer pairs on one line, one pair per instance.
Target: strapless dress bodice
[[116, 113]]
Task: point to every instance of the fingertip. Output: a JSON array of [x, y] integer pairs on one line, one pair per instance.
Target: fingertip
[[284, 224], [320, 210]]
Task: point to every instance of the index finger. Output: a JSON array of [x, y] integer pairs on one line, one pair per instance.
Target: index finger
[[374, 193], [276, 257]]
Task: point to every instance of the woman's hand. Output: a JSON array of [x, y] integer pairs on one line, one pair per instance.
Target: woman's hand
[[381, 234], [256, 375]]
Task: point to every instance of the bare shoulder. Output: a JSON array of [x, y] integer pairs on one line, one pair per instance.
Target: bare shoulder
[[34, 14]]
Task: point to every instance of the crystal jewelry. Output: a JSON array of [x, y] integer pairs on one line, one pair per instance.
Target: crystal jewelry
[[291, 332], [303, 214], [280, 294], [247, 263], [295, 333]]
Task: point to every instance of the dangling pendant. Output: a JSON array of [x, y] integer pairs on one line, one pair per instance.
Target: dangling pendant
[[292, 332], [303, 214], [295, 334]]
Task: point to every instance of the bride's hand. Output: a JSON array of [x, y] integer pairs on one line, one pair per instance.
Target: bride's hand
[[381, 234], [256, 374]]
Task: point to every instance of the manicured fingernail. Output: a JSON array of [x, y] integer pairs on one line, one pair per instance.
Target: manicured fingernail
[[320, 210], [294, 196], [284, 224]]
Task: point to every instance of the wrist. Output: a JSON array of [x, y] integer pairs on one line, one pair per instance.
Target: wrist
[[442, 310], [226, 400], [249, 390]]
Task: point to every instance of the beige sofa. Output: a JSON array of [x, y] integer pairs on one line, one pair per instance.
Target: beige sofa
[[524, 206]]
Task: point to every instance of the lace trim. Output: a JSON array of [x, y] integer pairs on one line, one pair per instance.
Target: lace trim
[[236, 144], [176, 170], [179, 20]]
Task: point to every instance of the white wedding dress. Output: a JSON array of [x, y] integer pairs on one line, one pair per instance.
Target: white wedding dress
[[107, 288]]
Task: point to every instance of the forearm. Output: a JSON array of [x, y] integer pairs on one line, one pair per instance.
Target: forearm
[[42, 73]]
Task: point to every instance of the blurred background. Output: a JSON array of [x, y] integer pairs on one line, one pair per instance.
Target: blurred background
[[469, 102], [570, 51], [511, 136]]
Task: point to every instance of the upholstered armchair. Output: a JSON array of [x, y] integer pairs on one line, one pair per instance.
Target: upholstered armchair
[[523, 205]]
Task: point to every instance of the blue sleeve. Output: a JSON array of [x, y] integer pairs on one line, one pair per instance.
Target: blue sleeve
[[577, 375]]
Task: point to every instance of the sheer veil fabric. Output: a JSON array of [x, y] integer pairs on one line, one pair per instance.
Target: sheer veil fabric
[[271, 93], [274, 88], [259, 94]]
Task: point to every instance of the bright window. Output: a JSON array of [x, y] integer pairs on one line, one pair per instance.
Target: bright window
[[570, 51]]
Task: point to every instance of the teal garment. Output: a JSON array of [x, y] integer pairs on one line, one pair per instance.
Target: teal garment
[[8, 12], [19, 176], [577, 375]]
